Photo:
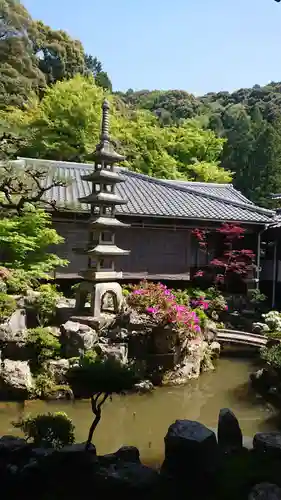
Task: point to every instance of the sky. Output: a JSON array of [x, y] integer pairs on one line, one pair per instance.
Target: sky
[[195, 45]]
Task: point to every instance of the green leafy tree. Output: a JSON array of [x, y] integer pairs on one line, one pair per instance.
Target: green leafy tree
[[264, 172], [65, 125], [26, 232], [94, 68], [244, 118], [20, 76], [59, 56], [25, 240], [99, 379]]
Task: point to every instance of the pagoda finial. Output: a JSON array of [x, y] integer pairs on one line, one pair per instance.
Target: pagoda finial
[[105, 121]]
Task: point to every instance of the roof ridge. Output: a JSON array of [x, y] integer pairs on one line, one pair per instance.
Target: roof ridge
[[198, 183], [168, 184], [67, 164]]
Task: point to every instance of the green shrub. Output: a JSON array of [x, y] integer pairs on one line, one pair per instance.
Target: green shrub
[[49, 430], [20, 281], [272, 356], [203, 318], [45, 386], [44, 305], [8, 306], [182, 297], [43, 344]]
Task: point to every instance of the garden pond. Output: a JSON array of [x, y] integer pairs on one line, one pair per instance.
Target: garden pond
[[143, 420]]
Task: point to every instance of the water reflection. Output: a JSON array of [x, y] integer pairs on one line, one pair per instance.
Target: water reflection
[[143, 420]]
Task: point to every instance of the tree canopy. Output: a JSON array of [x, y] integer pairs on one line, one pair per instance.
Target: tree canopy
[[32, 56], [65, 125], [245, 118], [51, 92]]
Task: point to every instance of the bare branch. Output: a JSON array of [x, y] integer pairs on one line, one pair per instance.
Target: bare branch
[[20, 186]]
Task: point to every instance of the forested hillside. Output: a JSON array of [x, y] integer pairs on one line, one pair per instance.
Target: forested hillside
[[50, 105], [249, 119]]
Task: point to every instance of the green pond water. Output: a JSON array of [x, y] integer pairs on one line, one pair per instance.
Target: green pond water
[[143, 420]]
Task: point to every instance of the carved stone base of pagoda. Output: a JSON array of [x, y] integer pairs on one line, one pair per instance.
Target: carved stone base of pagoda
[[104, 297]]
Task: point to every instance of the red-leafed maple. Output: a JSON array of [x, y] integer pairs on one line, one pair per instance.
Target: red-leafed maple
[[233, 261]]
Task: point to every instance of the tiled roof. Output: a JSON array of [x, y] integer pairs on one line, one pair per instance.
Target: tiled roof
[[225, 191], [148, 196]]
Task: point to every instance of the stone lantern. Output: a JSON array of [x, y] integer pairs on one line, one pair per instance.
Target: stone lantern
[[100, 277]]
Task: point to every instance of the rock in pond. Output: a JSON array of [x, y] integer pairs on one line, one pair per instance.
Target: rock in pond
[[215, 349], [268, 442], [190, 450], [128, 454], [15, 379], [265, 491], [230, 437], [144, 386], [77, 338]]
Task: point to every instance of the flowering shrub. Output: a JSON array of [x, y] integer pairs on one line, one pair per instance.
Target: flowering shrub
[[212, 302], [271, 326], [160, 303], [273, 320]]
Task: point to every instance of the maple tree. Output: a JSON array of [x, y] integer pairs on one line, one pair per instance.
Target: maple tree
[[232, 261]]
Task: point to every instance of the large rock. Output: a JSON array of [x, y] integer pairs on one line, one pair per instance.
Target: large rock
[[190, 366], [117, 352], [77, 338], [15, 379], [190, 451], [265, 491], [13, 335], [215, 349], [230, 437], [269, 443], [134, 321], [13, 326], [126, 478], [58, 369], [64, 309], [128, 454]]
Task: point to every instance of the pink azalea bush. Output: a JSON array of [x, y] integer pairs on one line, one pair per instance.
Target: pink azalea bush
[[160, 303]]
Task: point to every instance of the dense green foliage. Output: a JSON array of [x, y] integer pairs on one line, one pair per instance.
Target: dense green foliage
[[44, 303], [47, 430], [43, 344], [65, 125], [272, 356], [166, 134], [7, 306], [249, 119], [26, 232], [33, 56]]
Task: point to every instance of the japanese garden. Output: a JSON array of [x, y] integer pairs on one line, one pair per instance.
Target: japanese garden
[[139, 280]]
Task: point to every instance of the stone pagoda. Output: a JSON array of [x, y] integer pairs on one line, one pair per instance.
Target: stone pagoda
[[100, 277]]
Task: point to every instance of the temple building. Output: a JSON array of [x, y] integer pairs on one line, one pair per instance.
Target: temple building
[[161, 215]]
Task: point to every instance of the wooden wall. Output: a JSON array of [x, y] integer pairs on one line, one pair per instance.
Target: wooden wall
[[154, 250]]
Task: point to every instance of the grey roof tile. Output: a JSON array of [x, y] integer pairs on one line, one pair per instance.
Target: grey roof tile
[[154, 197]]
